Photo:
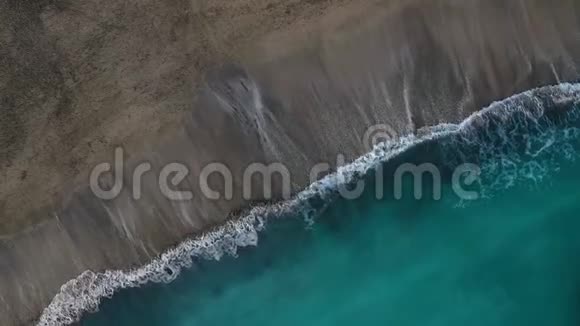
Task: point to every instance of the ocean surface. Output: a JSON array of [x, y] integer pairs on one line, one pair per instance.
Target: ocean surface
[[506, 254]]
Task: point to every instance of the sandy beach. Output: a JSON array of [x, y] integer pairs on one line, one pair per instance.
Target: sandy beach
[[78, 79]]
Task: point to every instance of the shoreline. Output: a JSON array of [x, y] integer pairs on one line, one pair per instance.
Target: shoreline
[[85, 292]]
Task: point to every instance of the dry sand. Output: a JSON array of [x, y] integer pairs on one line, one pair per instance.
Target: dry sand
[[78, 78]]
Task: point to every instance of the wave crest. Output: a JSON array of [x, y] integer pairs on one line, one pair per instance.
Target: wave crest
[[84, 293]]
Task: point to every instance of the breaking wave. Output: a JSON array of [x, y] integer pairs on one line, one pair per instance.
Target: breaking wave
[[513, 140]]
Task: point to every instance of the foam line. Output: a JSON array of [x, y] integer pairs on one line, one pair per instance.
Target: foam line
[[84, 293]]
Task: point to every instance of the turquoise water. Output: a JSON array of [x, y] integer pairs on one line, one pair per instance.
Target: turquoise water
[[508, 258]]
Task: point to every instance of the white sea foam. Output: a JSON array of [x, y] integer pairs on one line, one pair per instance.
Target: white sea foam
[[84, 293]]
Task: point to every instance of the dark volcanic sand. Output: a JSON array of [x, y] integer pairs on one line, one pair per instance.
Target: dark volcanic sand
[[78, 78]]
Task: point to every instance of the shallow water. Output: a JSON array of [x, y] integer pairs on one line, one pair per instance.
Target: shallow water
[[508, 258]]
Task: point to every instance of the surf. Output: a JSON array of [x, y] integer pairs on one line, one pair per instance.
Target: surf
[[545, 114]]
